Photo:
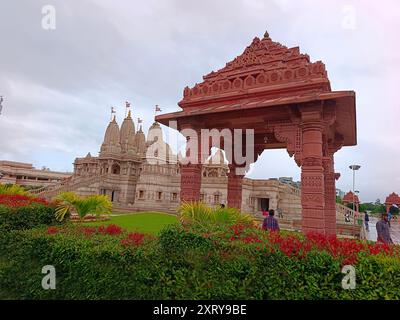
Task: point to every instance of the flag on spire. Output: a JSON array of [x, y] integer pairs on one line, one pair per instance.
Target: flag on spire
[[139, 120], [158, 108], [127, 107], [112, 112]]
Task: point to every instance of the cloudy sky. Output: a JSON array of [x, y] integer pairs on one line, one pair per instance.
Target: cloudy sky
[[58, 85]]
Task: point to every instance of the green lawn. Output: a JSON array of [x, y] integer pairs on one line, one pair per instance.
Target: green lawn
[[145, 222]]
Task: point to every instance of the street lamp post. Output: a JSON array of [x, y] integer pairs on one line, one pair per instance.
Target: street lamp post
[[354, 167]]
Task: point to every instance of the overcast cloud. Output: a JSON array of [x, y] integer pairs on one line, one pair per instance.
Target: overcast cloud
[[59, 85]]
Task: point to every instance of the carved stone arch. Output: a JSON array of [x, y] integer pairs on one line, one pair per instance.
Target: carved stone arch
[[291, 135], [116, 168]]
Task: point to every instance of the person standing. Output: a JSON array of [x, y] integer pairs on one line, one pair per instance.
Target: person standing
[[382, 228], [270, 223], [366, 220]]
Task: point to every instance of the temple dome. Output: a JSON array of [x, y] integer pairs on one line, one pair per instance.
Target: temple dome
[[111, 143], [140, 141], [127, 135], [155, 133]]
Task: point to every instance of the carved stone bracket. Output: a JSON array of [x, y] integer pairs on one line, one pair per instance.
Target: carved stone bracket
[[290, 135]]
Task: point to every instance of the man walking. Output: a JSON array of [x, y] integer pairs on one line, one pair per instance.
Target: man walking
[[382, 228], [270, 223]]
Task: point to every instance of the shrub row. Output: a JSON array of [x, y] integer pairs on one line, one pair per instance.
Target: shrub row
[[26, 217], [180, 264]]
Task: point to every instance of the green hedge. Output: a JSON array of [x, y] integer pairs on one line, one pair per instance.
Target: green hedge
[[179, 265], [27, 217]]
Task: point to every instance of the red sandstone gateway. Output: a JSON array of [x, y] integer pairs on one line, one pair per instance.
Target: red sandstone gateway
[[288, 102]]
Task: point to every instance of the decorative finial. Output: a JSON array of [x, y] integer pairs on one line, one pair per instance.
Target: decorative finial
[[112, 112], [266, 35], [114, 119], [129, 115], [127, 106]]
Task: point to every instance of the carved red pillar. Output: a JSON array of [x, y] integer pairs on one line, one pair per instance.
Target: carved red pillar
[[330, 196], [190, 182], [234, 188], [191, 172], [312, 174]]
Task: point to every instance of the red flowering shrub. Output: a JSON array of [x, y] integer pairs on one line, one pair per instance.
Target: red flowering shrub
[[17, 201], [133, 238], [111, 229], [52, 230], [88, 231], [292, 245]]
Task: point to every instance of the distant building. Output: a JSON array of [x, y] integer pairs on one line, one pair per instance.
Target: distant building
[[25, 174], [289, 181]]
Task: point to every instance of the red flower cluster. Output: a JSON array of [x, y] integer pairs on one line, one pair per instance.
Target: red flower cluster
[[52, 230], [133, 238], [88, 231], [111, 229], [346, 250], [17, 201], [241, 233]]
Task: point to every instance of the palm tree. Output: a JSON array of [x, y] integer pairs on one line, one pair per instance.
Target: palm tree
[[70, 202], [200, 214]]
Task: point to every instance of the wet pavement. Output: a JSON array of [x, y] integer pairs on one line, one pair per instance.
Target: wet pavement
[[394, 230]]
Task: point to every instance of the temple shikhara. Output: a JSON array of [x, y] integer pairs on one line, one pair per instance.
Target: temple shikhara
[[276, 92]]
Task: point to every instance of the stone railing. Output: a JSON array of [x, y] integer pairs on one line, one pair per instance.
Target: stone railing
[[40, 191], [66, 186], [344, 215]]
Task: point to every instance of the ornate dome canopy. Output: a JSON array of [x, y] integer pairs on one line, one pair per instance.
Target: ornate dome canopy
[[349, 198], [393, 199]]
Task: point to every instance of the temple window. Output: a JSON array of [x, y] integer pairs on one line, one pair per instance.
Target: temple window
[[141, 194], [174, 196], [115, 169], [159, 195]]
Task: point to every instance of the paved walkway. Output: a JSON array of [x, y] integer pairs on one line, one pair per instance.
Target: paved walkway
[[394, 230]]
